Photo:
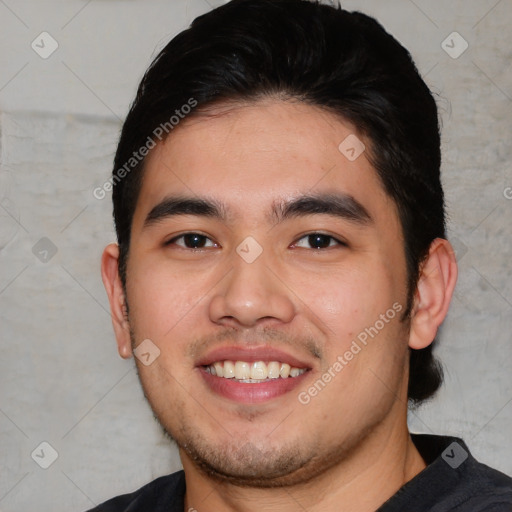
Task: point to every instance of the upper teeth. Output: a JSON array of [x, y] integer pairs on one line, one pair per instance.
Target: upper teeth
[[259, 370]]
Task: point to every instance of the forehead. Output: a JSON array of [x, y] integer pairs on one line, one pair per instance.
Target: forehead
[[252, 154]]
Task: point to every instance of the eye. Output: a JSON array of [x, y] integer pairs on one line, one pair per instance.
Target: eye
[[192, 241], [318, 241]]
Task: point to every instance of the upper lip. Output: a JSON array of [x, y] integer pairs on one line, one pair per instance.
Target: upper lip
[[250, 355]]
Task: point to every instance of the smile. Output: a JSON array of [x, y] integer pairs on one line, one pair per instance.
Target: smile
[[253, 372]]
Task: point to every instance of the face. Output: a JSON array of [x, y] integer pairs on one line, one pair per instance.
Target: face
[[268, 269]]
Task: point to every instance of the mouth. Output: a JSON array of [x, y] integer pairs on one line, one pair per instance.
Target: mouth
[[252, 375]]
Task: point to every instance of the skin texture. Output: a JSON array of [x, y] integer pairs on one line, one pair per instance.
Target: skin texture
[[350, 443]]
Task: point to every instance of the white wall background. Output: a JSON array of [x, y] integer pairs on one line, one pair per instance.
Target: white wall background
[[61, 380]]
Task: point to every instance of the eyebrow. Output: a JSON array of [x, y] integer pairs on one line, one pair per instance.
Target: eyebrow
[[174, 206], [339, 205]]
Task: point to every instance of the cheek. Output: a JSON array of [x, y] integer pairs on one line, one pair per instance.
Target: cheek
[[160, 299], [346, 301]]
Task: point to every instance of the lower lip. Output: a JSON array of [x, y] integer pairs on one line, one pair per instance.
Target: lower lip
[[250, 393]]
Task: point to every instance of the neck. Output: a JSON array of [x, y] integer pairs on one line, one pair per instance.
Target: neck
[[382, 463]]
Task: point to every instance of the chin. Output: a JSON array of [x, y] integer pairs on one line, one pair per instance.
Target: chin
[[248, 466]]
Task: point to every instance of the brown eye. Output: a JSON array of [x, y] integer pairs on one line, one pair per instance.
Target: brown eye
[[192, 241], [318, 241]]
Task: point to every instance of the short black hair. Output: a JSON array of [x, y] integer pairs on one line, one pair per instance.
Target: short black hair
[[344, 62]]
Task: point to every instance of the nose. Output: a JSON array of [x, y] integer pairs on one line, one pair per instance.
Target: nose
[[250, 295]]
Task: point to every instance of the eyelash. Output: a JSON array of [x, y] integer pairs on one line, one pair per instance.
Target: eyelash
[[331, 238], [172, 241]]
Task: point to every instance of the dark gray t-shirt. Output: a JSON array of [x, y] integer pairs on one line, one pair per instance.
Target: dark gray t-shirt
[[453, 481]]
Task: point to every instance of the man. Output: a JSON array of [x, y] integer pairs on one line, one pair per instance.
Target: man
[[282, 268]]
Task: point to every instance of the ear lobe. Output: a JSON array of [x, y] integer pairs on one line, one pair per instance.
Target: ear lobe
[[117, 299], [433, 293]]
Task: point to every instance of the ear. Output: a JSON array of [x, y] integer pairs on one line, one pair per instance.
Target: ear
[[433, 293], [116, 297]]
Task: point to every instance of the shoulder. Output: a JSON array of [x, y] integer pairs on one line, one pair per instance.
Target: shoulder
[[163, 494], [453, 481], [469, 484], [491, 490]]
